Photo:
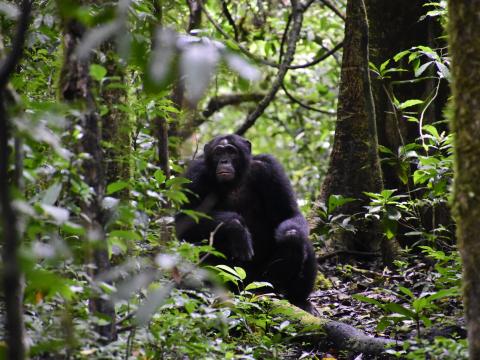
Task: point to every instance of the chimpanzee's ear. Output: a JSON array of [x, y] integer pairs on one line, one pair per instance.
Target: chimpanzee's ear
[[249, 145], [207, 148]]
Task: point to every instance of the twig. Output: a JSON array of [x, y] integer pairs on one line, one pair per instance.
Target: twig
[[220, 101], [332, 7], [257, 58], [422, 114], [230, 20], [12, 59], [375, 273], [294, 34], [308, 107], [327, 256], [319, 59]]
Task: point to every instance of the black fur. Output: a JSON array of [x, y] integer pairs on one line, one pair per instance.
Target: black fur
[[262, 228]]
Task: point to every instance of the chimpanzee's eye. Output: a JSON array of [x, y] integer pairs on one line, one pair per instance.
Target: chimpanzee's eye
[[231, 149]]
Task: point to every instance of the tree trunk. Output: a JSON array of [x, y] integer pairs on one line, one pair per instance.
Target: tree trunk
[[394, 27], [11, 268], [354, 164], [464, 24], [75, 89], [116, 127]]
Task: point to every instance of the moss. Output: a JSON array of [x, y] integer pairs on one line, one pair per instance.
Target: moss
[[322, 282]]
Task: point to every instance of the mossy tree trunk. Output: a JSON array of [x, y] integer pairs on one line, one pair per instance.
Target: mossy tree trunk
[[76, 90], [464, 32], [354, 163], [116, 125], [395, 26]]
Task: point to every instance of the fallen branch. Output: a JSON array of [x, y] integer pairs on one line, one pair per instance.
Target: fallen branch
[[376, 273], [324, 257], [326, 333]]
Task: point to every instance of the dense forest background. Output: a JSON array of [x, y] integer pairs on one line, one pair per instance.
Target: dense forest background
[[364, 102]]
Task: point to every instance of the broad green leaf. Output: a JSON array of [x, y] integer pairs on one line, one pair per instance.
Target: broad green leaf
[[97, 72], [406, 292], [410, 103], [400, 55], [335, 201], [159, 176], [52, 193], [240, 272], [60, 215], [257, 285], [125, 234], [421, 69], [116, 186], [367, 300], [399, 309]]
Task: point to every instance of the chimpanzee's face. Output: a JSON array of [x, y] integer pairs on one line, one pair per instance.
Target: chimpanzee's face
[[225, 156], [228, 157]]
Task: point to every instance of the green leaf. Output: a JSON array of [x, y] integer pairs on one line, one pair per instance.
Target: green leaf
[[400, 55], [52, 193], [125, 234], [257, 285], [59, 214], [228, 270], [241, 273], [116, 186], [399, 309], [432, 130], [384, 65], [97, 72], [407, 292], [452, 292], [159, 176], [410, 103], [421, 69], [367, 300], [335, 201]]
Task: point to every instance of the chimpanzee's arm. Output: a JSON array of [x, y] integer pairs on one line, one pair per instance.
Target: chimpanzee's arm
[[199, 199], [279, 198]]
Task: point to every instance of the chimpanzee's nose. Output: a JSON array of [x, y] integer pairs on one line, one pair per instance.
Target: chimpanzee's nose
[[223, 161]]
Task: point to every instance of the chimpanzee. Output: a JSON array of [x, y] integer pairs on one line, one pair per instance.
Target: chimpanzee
[[254, 214]]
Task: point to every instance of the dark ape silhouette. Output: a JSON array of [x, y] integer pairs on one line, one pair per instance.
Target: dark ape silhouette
[[261, 228]]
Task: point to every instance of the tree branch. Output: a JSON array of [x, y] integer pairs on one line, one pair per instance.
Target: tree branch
[[293, 36], [8, 65], [220, 101], [332, 7], [230, 20], [305, 106], [214, 105], [245, 51], [319, 59]]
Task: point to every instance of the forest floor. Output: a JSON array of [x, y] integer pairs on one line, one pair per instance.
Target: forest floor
[[417, 279]]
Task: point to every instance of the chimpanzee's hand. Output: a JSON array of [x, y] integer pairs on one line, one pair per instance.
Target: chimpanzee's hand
[[241, 247], [232, 237]]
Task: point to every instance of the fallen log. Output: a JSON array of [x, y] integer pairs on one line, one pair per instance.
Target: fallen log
[[327, 333]]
